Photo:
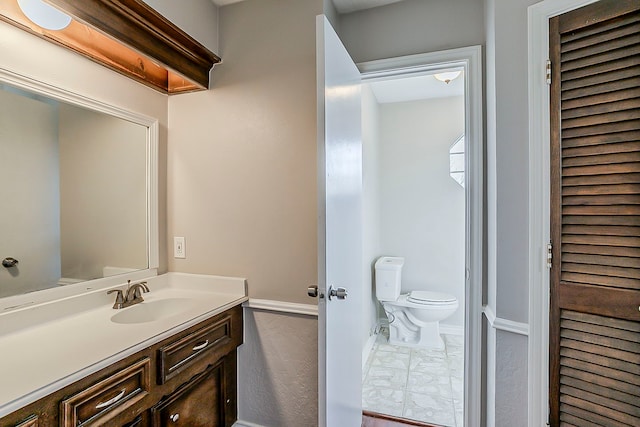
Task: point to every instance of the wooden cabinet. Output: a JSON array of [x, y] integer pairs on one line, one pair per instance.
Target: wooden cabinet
[[101, 402], [188, 379], [199, 403]]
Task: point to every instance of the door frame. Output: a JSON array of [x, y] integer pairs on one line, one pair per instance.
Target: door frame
[[470, 59], [539, 203]]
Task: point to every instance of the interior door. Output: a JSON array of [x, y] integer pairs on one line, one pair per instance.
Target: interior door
[[339, 233], [595, 215]]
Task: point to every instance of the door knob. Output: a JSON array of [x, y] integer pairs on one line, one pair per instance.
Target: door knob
[[340, 293], [174, 417], [312, 291], [9, 262]]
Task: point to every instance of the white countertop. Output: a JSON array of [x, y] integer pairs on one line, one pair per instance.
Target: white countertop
[[48, 346]]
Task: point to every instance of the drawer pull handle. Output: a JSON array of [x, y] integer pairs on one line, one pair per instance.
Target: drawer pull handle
[[201, 346], [174, 417], [111, 401]]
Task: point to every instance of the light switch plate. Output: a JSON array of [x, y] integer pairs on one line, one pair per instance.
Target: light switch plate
[[179, 249]]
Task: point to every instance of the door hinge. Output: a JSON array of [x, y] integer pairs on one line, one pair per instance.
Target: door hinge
[[549, 254], [548, 71]]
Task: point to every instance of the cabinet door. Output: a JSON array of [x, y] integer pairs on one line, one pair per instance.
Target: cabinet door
[[199, 403]]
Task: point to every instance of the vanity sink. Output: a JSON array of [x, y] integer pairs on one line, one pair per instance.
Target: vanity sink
[[150, 311]]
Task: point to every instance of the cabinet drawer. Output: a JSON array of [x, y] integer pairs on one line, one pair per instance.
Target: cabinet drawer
[[178, 355], [104, 400]]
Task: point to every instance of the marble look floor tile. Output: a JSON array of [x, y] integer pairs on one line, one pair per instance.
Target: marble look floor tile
[[385, 346], [430, 366], [421, 384], [453, 340], [429, 353], [390, 359], [457, 388], [425, 407], [458, 408], [383, 400], [431, 385], [380, 376]]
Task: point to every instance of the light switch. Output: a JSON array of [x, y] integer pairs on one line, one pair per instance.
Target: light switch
[[179, 249]]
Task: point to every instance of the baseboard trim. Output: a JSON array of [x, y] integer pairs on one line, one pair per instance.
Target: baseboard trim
[[281, 306], [240, 423], [505, 324]]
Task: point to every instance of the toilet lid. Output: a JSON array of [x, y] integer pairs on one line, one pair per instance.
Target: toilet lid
[[429, 297]]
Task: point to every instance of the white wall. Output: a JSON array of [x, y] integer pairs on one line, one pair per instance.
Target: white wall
[[422, 208], [29, 194], [370, 207]]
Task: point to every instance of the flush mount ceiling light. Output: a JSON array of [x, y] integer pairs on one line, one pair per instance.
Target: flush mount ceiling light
[[448, 76], [127, 36], [44, 15]]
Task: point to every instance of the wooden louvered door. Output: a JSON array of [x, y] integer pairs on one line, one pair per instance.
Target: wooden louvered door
[[595, 216]]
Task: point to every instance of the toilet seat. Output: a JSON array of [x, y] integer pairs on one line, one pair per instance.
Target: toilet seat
[[430, 298]]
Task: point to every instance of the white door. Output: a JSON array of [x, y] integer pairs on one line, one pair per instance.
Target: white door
[[339, 232]]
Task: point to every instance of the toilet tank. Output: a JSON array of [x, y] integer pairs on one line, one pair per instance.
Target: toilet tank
[[388, 277]]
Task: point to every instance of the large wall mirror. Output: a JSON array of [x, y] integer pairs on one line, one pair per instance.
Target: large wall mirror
[[77, 189]]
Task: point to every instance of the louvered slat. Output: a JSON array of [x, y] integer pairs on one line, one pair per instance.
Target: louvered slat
[[613, 81], [624, 178], [610, 261], [609, 138], [600, 189], [600, 368], [600, 390], [618, 251], [600, 149]]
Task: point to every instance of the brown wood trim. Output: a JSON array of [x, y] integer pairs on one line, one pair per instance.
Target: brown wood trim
[[600, 11], [137, 25], [129, 37], [625, 303], [370, 419]]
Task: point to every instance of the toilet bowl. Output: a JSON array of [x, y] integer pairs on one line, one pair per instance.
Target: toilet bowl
[[414, 317]]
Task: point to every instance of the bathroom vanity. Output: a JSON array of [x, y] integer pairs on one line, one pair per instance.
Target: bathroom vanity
[[170, 360]]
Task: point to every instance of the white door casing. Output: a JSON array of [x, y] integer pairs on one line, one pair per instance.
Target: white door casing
[[539, 210], [470, 60], [339, 231]]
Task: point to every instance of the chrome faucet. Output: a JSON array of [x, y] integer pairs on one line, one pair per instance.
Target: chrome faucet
[[133, 295]]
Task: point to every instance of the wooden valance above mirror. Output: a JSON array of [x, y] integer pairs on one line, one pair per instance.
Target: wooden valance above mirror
[[127, 36]]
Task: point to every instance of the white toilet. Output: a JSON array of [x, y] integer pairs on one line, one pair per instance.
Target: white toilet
[[414, 317]]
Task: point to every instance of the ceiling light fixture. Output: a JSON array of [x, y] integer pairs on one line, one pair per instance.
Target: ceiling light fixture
[[448, 76], [44, 15]]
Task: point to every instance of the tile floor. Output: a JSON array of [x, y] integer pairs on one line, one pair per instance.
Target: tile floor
[[419, 384]]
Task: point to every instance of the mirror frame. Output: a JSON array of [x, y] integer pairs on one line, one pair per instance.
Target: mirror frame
[[15, 302]]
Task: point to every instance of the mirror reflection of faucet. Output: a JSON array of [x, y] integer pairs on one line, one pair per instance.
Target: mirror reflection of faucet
[[132, 296]]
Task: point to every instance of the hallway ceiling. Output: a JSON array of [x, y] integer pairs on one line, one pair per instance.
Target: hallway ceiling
[[416, 88], [342, 6]]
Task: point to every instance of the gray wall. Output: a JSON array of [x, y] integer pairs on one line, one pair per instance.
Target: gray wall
[[507, 195], [199, 20], [278, 370], [412, 26], [243, 189]]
